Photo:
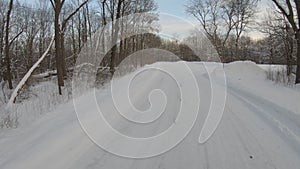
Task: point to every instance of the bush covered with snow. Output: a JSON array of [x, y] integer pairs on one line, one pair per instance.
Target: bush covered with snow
[[34, 101], [278, 74]]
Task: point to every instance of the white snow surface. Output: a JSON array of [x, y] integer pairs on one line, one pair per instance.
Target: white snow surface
[[260, 128]]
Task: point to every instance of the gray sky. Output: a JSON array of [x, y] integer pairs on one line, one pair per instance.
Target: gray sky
[[177, 8]]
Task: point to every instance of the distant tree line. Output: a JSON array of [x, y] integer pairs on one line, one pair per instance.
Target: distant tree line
[[27, 30], [226, 22]]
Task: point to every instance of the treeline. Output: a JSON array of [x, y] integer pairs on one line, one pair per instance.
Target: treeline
[[136, 43], [272, 49], [226, 22], [27, 30]]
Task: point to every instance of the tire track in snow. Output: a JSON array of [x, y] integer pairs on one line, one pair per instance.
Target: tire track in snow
[[249, 141], [272, 114]]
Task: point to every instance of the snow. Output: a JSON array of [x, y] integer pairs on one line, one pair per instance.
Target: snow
[[260, 127], [35, 102], [249, 77], [278, 74], [27, 75], [272, 67]]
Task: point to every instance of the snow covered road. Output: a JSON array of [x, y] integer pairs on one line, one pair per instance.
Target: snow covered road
[[260, 129]]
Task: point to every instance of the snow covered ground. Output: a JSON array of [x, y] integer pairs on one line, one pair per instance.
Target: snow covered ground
[[260, 127], [33, 103], [278, 74]]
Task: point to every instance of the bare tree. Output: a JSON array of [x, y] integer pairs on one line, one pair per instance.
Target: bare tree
[[115, 31], [114, 10], [3, 7], [216, 18], [219, 18], [7, 57], [31, 28], [59, 38], [292, 14], [57, 6], [44, 20], [244, 11], [280, 38]]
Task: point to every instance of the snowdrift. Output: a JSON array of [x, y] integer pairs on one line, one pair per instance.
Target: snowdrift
[[245, 69]]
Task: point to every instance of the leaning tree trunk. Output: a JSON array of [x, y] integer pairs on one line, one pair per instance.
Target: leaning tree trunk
[[27, 76]]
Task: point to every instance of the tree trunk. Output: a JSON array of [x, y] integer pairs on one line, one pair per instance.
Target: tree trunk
[[63, 54], [59, 40], [2, 36], [89, 22], [58, 48], [237, 50], [27, 76], [73, 40], [298, 59], [289, 52], [115, 37], [79, 32], [7, 57], [84, 27]]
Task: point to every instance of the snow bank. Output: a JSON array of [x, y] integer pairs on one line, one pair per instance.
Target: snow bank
[[272, 67], [251, 78], [245, 69], [278, 74]]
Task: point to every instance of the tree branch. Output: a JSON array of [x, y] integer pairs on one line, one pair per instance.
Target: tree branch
[[10, 43], [289, 16], [52, 3], [64, 23]]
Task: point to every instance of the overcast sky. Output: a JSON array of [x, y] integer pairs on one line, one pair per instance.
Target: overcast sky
[[177, 8]]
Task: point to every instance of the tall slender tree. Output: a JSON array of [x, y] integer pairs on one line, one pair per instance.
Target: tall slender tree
[[292, 15], [7, 57], [60, 28]]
